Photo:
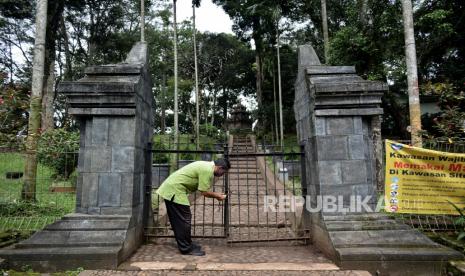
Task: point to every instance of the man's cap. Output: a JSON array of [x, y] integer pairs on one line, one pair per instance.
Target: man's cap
[[223, 163]]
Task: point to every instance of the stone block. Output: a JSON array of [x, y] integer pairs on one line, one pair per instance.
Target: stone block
[[100, 126], [366, 126], [122, 159], [320, 126], [329, 70], [90, 190], [358, 125], [85, 159], [354, 172], [122, 131], [88, 133], [109, 190], [339, 126], [332, 148], [356, 147], [329, 173], [101, 159], [127, 189]]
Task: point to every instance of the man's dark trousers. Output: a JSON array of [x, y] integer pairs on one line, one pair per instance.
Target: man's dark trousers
[[180, 219]]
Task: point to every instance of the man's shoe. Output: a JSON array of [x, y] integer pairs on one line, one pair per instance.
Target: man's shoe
[[196, 246], [195, 252]]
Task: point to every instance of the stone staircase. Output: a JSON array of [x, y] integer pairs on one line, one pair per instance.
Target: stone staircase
[[248, 186]]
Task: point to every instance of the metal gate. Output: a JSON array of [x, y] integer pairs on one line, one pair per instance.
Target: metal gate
[[259, 182]]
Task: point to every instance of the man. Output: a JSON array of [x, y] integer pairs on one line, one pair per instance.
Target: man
[[197, 176]]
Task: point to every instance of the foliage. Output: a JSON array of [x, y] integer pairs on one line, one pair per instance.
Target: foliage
[[160, 158], [58, 150], [28, 209], [209, 130], [460, 221], [13, 112], [450, 122]]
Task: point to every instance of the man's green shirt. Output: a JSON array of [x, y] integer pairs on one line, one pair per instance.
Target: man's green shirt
[[190, 178]]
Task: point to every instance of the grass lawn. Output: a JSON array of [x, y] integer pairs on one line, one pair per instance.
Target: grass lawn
[[15, 214]]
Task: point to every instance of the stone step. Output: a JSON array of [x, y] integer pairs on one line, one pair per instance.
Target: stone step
[[240, 177], [242, 158], [380, 238], [84, 225], [365, 225], [400, 253], [78, 216], [242, 171], [246, 269], [51, 258], [356, 217], [73, 238], [380, 244], [397, 260]]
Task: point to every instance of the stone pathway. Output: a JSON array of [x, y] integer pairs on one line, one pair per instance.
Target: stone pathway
[[214, 273], [162, 258]]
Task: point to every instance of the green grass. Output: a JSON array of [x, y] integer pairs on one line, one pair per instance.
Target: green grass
[[186, 141], [16, 214]]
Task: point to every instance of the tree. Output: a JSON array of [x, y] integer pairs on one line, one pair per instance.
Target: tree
[[175, 41], [324, 18], [412, 75], [29, 187], [196, 3]]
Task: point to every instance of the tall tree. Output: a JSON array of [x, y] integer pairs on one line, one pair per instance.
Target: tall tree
[[175, 41], [30, 171], [195, 4], [142, 20], [324, 18], [412, 74]]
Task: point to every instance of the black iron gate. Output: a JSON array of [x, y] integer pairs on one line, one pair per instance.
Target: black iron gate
[[259, 183]]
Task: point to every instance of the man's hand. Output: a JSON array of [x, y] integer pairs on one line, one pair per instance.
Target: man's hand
[[218, 196], [221, 197]]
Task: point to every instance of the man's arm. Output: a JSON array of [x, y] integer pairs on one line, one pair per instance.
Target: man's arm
[[218, 196]]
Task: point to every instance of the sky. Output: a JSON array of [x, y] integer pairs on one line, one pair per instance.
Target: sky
[[209, 17]]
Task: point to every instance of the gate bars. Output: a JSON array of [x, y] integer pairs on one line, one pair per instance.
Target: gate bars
[[242, 216]]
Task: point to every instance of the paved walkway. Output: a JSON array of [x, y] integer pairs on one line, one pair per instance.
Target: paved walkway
[[163, 258]]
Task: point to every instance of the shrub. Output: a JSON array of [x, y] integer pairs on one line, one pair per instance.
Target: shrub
[[57, 149]]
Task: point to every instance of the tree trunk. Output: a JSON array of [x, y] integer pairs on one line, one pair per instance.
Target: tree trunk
[[275, 108], [412, 74], [48, 98], [30, 171], [363, 12], [259, 77], [213, 107], [142, 20], [280, 97], [197, 117], [69, 65], [225, 108], [176, 126], [162, 104], [324, 18]]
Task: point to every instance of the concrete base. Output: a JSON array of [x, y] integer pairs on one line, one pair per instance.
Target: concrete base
[[77, 240], [379, 244]]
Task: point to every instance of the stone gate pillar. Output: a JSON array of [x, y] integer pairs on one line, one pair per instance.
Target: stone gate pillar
[[337, 115], [113, 105], [335, 111]]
